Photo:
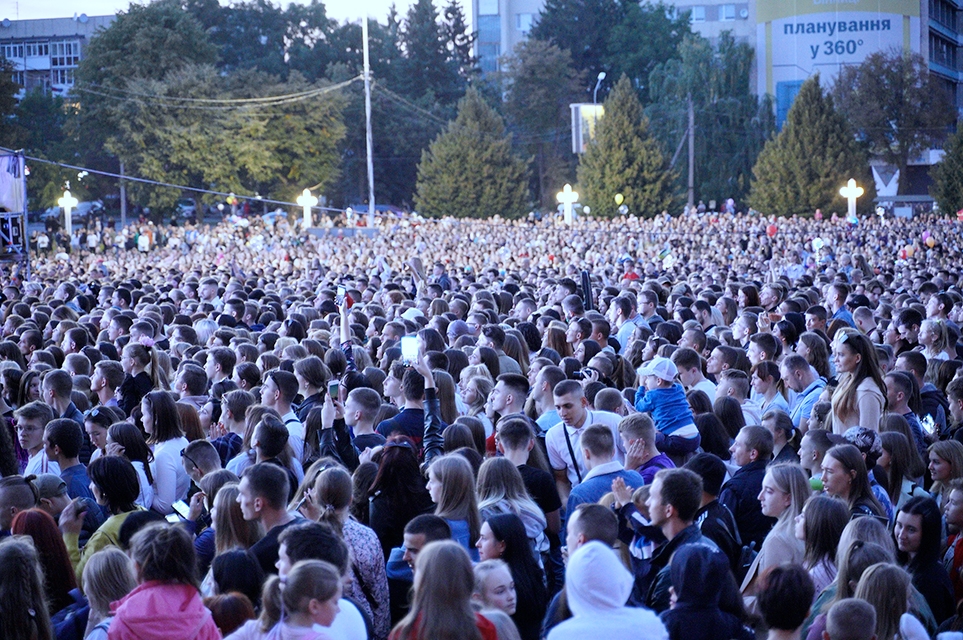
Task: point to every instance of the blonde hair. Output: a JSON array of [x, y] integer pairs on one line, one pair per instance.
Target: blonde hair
[[887, 588], [231, 530], [484, 569], [107, 577]]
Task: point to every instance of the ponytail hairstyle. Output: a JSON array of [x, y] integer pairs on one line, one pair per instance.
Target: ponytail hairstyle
[[164, 553], [332, 494], [306, 581]]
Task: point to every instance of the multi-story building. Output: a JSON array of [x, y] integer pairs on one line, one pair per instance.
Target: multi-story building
[[501, 24], [45, 52]]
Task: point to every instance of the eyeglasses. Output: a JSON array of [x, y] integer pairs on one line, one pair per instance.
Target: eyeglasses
[[188, 458]]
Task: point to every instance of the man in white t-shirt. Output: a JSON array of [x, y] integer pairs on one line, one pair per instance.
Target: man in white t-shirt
[[31, 420], [572, 407]]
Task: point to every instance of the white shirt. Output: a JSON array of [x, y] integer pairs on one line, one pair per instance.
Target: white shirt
[[558, 454], [347, 625], [296, 434], [39, 463], [171, 481]]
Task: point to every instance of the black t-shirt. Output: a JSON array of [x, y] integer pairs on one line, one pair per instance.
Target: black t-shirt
[[541, 487], [267, 548], [369, 441]]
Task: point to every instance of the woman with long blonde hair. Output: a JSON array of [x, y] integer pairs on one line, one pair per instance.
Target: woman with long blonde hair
[[861, 395]]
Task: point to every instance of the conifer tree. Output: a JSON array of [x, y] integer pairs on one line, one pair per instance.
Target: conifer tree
[[470, 170], [625, 158], [948, 174], [805, 165]]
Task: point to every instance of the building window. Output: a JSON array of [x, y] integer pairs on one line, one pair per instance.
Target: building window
[[12, 51], [37, 49], [18, 77], [63, 77], [727, 12], [489, 29], [488, 7], [698, 14], [943, 52], [488, 53], [65, 54], [523, 22], [943, 13]]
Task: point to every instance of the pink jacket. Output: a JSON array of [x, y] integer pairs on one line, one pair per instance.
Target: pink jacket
[[162, 611]]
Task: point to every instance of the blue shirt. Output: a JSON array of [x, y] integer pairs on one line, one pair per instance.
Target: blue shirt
[[668, 407], [803, 406], [78, 484], [598, 482]]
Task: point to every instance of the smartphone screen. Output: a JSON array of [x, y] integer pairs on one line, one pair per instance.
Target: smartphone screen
[[182, 508], [333, 389], [340, 297], [409, 349]]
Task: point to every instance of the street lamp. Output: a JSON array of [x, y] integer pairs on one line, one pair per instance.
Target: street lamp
[[598, 83], [307, 201], [566, 197], [68, 202]]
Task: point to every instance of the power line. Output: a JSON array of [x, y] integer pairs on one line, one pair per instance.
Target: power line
[[227, 101]]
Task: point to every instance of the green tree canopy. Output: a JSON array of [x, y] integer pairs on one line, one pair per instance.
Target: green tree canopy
[[538, 83], [895, 104], [470, 169], [803, 168], [948, 174], [625, 158]]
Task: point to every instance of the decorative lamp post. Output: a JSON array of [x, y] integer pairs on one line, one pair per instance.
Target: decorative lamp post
[[851, 192], [566, 197], [68, 202], [306, 200]]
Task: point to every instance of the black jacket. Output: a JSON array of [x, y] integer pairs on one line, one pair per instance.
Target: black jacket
[[657, 596], [716, 523], [741, 496]]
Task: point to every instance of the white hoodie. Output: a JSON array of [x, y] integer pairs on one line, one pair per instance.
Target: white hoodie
[[597, 585]]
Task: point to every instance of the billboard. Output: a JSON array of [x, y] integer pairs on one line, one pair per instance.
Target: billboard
[[797, 38]]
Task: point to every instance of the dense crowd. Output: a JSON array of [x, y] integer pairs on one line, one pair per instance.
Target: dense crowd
[[710, 427]]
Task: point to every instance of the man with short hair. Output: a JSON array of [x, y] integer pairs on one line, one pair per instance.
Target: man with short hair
[[190, 384], [32, 419], [16, 494], [562, 439], [74, 340], [908, 324], [598, 452], [735, 384], [232, 424], [493, 336], [900, 386], [30, 340], [689, 363], [508, 396], [515, 441], [799, 376], [220, 364], [361, 409], [932, 401], [542, 393], [62, 440], [674, 499], [751, 451], [278, 392], [107, 377], [851, 619], [624, 315], [56, 390], [410, 421], [816, 318], [199, 459], [263, 496], [638, 439], [836, 302], [714, 520]]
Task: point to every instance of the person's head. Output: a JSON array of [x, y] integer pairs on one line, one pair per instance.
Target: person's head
[[263, 488], [851, 619], [752, 444], [820, 525], [785, 596], [279, 389], [63, 439], [114, 483], [164, 553], [17, 493], [590, 521], [444, 583], [887, 588], [160, 418], [515, 434], [570, 402], [199, 459], [780, 425], [796, 371], [733, 383], [420, 531], [332, 494], [108, 577], [502, 536], [509, 393], [451, 484], [711, 469], [945, 460], [229, 611], [494, 586], [311, 588], [844, 473], [917, 530], [56, 387], [595, 573], [312, 541], [675, 496], [785, 489], [107, 374], [598, 445], [361, 406], [22, 596], [814, 446], [32, 419]]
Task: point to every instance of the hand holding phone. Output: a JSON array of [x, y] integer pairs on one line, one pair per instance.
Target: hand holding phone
[[409, 349]]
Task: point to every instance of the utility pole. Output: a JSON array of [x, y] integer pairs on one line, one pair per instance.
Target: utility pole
[[691, 200], [367, 116], [123, 198]]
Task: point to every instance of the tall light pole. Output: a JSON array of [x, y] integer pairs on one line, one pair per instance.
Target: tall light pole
[[367, 117], [598, 83], [68, 202]]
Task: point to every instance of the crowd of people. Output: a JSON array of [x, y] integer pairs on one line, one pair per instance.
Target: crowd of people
[[706, 427]]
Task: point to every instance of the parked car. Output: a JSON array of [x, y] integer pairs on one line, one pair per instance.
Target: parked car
[[82, 211], [186, 208]]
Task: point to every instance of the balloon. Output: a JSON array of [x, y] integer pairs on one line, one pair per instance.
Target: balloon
[[931, 242], [853, 221], [902, 254], [926, 236], [910, 251], [959, 215], [619, 198], [771, 230], [818, 243]]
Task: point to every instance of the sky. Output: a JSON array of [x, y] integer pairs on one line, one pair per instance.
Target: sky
[[340, 10]]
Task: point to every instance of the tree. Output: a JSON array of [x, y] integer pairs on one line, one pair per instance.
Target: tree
[[895, 105], [803, 168], [625, 158], [470, 169], [582, 27], [627, 53], [538, 83], [948, 174], [732, 124], [427, 63], [460, 41]]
